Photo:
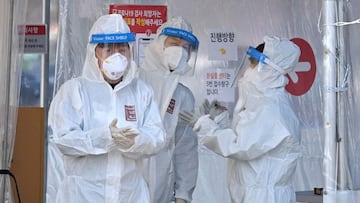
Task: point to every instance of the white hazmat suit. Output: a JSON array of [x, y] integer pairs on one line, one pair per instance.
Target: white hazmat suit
[[263, 144], [96, 168], [174, 169]]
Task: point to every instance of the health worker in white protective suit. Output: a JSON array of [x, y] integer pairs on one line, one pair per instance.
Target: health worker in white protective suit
[[173, 172], [106, 122], [263, 144]]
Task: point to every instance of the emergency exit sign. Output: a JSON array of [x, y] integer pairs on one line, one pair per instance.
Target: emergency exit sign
[[35, 39]]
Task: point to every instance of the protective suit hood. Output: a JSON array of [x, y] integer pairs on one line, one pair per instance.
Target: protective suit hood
[[156, 48], [282, 52], [108, 24]]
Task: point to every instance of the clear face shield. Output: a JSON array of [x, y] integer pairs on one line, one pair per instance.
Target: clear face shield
[[114, 53], [247, 64], [256, 57], [180, 52], [262, 58], [117, 42]]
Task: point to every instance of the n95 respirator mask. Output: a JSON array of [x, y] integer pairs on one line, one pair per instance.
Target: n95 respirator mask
[[114, 66]]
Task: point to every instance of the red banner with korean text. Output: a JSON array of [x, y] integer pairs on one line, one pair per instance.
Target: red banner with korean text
[[141, 18]]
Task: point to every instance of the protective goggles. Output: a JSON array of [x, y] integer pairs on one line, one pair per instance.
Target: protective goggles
[[188, 36], [112, 38]]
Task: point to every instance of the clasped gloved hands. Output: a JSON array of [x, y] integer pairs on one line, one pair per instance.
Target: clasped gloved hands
[[123, 137]]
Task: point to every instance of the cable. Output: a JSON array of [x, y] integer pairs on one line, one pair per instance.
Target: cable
[[8, 172]]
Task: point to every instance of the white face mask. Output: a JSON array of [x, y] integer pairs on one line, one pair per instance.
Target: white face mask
[[114, 66], [175, 58]]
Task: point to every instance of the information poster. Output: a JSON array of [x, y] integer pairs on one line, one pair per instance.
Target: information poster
[[222, 45], [35, 38], [218, 85]]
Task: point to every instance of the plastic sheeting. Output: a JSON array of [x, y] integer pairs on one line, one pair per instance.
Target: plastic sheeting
[[11, 16], [250, 21]]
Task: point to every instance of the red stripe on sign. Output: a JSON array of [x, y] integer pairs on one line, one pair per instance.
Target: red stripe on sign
[[35, 30]]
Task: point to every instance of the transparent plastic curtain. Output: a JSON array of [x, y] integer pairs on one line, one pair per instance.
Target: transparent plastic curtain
[[250, 20], [341, 47], [12, 15], [350, 79]]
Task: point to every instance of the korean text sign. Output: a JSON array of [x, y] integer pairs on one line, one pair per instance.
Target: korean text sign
[[141, 18]]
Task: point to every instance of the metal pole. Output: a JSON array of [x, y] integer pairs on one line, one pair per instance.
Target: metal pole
[[44, 87], [329, 78], [342, 131], [45, 57]]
